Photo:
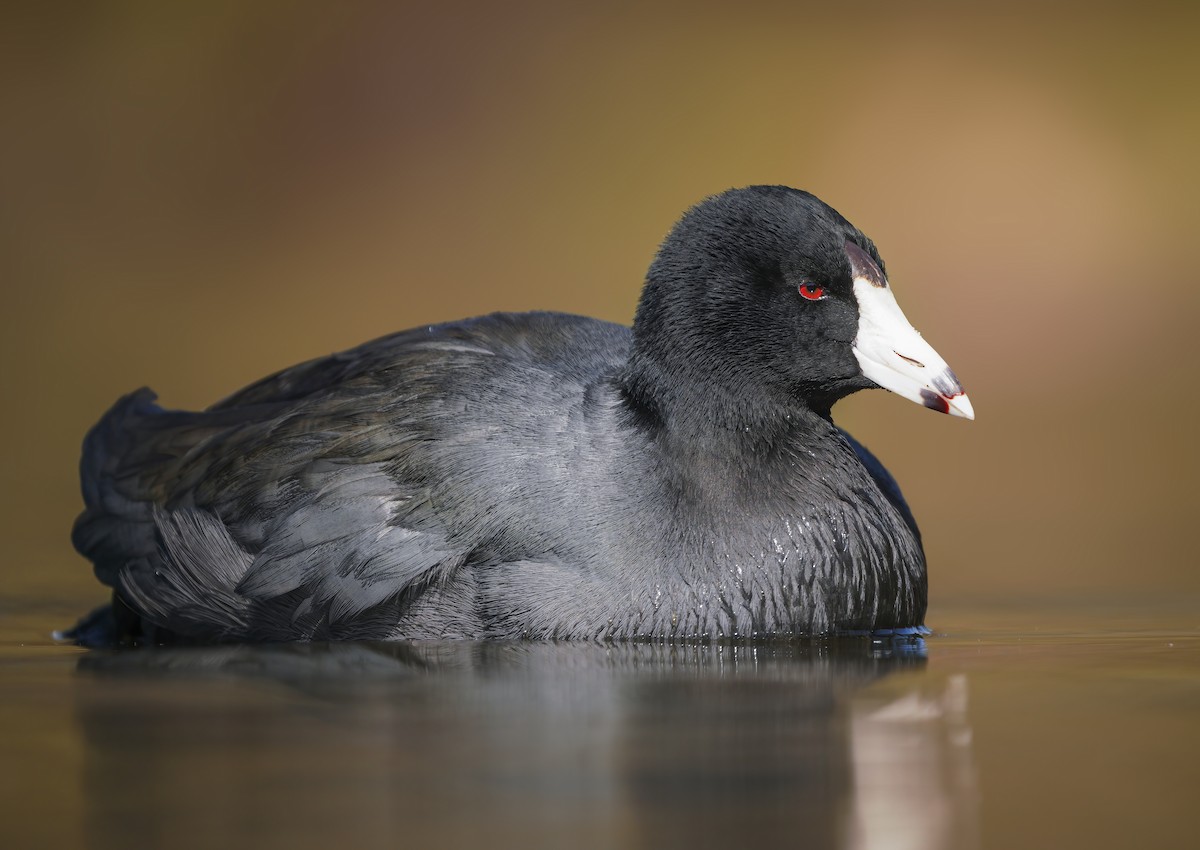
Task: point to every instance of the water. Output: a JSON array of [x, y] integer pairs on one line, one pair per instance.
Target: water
[[1004, 728]]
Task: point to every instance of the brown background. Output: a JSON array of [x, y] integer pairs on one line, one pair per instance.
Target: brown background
[[195, 198]]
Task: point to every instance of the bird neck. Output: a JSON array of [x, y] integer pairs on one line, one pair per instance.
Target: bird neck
[[739, 429]]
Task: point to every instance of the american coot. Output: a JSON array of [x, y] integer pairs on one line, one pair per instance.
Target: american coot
[[543, 475]]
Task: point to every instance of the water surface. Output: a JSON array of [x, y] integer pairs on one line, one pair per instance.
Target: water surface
[[1005, 728]]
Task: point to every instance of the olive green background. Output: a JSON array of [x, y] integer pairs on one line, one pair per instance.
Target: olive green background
[[198, 194]]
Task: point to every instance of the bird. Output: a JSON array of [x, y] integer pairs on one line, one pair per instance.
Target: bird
[[544, 476]]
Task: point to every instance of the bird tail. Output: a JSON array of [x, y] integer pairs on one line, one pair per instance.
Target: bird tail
[[117, 523], [158, 561]]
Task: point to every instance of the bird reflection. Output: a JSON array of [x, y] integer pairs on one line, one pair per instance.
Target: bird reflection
[[521, 744], [915, 781]]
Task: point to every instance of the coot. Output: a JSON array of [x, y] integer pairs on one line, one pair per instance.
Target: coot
[[540, 475]]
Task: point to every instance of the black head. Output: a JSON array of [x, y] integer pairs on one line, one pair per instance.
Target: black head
[[752, 294], [768, 297]]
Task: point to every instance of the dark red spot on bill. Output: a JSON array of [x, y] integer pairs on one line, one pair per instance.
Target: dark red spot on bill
[[934, 401]]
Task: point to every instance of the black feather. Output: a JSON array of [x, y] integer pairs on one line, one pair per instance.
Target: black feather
[[536, 475]]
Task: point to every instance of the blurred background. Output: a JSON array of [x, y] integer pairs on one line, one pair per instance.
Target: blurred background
[[198, 194]]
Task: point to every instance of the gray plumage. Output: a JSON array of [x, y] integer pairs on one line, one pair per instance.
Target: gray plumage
[[531, 475]]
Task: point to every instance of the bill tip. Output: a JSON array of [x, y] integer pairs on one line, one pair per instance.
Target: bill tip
[[960, 405]]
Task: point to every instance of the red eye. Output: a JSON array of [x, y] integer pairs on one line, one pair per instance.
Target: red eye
[[812, 293]]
